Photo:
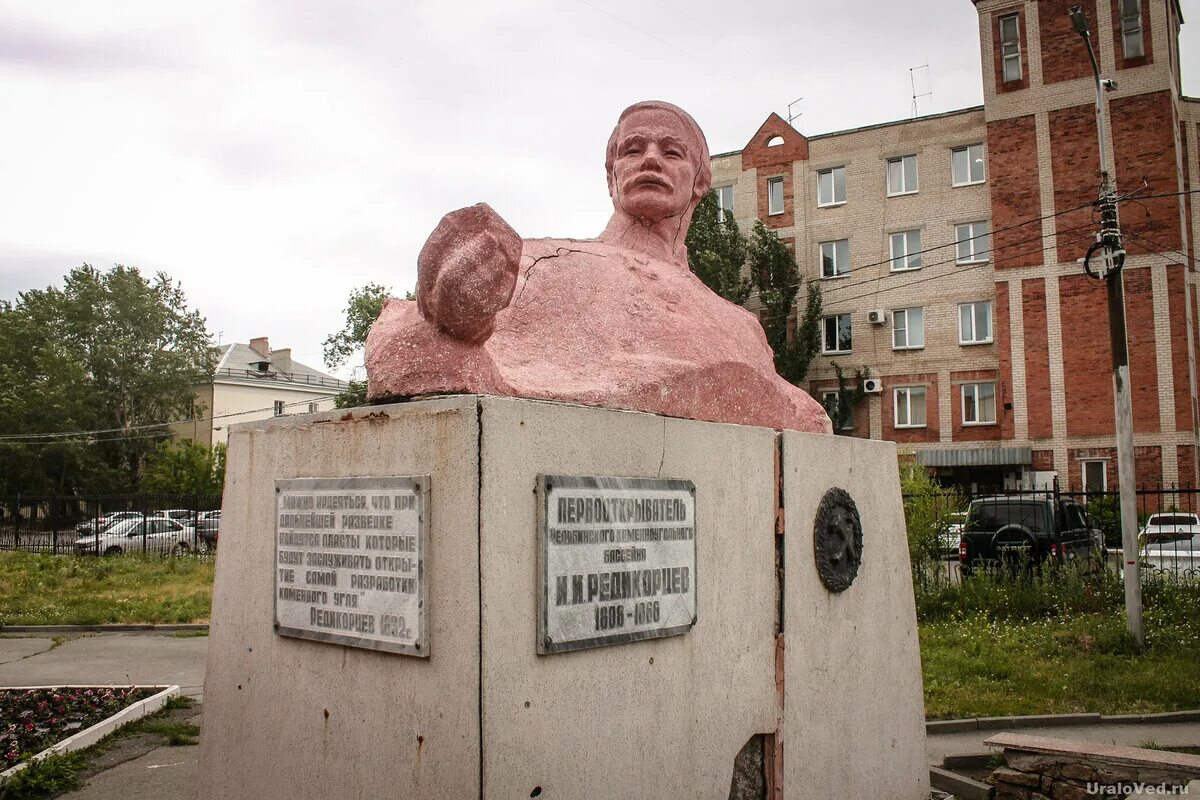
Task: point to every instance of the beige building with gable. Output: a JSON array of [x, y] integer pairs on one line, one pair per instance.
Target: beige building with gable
[[254, 382]]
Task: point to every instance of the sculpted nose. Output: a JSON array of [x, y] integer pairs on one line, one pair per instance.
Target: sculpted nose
[[652, 158]]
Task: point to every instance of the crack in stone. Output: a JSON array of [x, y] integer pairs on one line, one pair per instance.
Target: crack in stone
[[558, 251]]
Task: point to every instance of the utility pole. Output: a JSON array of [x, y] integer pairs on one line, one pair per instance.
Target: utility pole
[[1104, 261]]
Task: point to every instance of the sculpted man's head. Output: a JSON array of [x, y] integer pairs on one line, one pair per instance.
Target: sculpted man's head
[[657, 162]]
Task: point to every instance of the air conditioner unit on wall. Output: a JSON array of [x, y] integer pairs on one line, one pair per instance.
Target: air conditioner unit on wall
[[872, 385], [877, 316]]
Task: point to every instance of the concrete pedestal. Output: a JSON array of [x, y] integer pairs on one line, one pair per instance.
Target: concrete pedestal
[[484, 715]]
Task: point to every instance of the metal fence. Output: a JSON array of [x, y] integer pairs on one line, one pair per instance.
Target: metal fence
[[1168, 520], [165, 525]]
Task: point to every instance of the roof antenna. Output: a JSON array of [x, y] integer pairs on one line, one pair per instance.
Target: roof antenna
[[792, 116], [912, 80]]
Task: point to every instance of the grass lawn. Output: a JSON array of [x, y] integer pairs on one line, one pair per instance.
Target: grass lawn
[[40, 589], [975, 667]]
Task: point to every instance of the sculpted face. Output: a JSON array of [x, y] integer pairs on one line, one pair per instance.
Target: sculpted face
[[654, 172]]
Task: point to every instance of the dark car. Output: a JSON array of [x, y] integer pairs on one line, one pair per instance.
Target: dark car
[[1024, 533], [208, 529]]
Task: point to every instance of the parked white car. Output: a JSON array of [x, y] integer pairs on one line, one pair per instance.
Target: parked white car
[[1170, 526], [151, 535], [1178, 559]]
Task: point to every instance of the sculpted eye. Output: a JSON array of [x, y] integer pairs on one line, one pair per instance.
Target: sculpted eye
[[674, 152]]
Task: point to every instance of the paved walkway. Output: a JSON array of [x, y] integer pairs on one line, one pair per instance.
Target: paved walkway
[[166, 773], [169, 773], [107, 658]]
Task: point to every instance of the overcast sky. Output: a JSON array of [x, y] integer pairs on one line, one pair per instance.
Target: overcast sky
[[273, 155]]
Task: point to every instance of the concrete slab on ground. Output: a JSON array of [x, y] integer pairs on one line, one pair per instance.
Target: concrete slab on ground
[[1171, 734], [16, 649], [110, 658]]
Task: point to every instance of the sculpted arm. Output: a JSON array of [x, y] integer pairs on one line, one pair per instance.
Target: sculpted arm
[[467, 271]]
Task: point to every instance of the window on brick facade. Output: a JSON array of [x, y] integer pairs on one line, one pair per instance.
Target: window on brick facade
[[1010, 47], [908, 328], [979, 403], [1095, 476], [836, 338], [724, 201], [1131, 28], [843, 419], [966, 165], [975, 322], [775, 196], [902, 175], [973, 242], [835, 258], [831, 186], [906, 250], [279, 408], [909, 402]]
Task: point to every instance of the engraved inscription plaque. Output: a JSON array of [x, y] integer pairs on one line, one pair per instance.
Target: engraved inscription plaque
[[617, 560], [350, 561]]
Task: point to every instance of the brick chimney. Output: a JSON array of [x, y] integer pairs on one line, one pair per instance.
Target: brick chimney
[[281, 360], [261, 347]]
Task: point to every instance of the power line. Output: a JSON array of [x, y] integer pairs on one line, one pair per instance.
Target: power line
[[957, 242], [14, 437], [955, 260], [1091, 204], [951, 273]]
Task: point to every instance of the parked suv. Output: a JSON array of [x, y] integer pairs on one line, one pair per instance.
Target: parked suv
[[1024, 532]]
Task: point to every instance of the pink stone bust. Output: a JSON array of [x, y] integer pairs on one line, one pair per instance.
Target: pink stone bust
[[618, 321]]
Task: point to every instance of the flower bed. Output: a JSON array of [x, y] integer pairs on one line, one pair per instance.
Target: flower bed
[[32, 720]]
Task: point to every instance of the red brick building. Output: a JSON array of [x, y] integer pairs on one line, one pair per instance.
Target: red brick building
[[948, 251]]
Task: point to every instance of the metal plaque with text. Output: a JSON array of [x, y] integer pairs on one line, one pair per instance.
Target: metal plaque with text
[[350, 561], [617, 560]]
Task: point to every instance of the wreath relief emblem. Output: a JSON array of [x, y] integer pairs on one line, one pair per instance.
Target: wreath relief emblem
[[838, 540]]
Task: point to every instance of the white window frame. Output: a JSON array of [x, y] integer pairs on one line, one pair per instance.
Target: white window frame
[[721, 209], [838, 419], [909, 261], [963, 399], [772, 211], [907, 315], [967, 149], [976, 238], [312, 406], [974, 327], [906, 189], [1083, 462], [1010, 50], [833, 201], [908, 406], [839, 270], [837, 331], [279, 405], [1135, 29]]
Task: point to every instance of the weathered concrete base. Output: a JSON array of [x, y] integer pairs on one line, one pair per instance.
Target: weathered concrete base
[[485, 716]]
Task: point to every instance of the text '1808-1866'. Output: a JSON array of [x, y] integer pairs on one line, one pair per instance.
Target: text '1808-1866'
[[617, 560]]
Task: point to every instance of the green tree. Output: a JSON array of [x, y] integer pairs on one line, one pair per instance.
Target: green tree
[[775, 275], [108, 351], [363, 307], [841, 406], [186, 468], [717, 251]]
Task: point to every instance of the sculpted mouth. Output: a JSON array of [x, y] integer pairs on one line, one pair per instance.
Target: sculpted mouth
[[651, 180]]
